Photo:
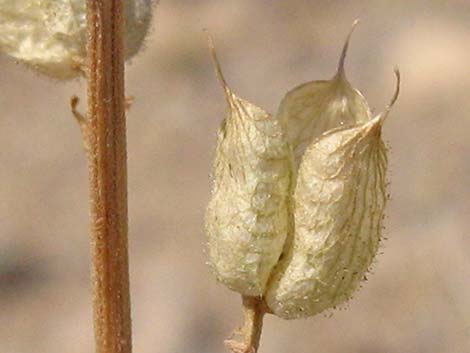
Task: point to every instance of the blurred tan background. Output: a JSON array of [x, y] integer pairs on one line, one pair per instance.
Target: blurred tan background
[[417, 300]]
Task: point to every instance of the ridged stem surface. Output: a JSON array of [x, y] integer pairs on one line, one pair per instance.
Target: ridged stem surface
[[106, 132]]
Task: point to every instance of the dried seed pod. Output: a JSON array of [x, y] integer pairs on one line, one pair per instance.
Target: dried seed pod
[[246, 220], [315, 107], [50, 35], [338, 204]]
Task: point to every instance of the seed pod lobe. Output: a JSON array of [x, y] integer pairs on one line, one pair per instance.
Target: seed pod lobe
[[338, 204], [246, 220]]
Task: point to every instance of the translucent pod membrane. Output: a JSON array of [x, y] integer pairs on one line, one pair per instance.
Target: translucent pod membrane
[[315, 107], [339, 202], [50, 35], [246, 220]]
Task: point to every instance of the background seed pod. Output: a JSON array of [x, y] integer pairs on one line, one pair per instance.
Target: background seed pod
[[246, 220], [50, 36]]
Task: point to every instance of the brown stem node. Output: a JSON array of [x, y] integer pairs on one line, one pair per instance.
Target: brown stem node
[[82, 122]]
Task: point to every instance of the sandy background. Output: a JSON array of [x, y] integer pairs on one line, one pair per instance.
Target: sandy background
[[417, 300]]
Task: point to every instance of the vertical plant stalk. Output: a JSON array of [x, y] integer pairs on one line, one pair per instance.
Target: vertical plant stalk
[[106, 142], [250, 333]]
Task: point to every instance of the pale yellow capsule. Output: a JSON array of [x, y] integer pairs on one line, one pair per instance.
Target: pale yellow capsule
[[338, 207], [246, 220]]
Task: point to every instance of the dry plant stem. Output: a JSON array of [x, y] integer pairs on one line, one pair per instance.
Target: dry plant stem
[[106, 141], [250, 333]]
